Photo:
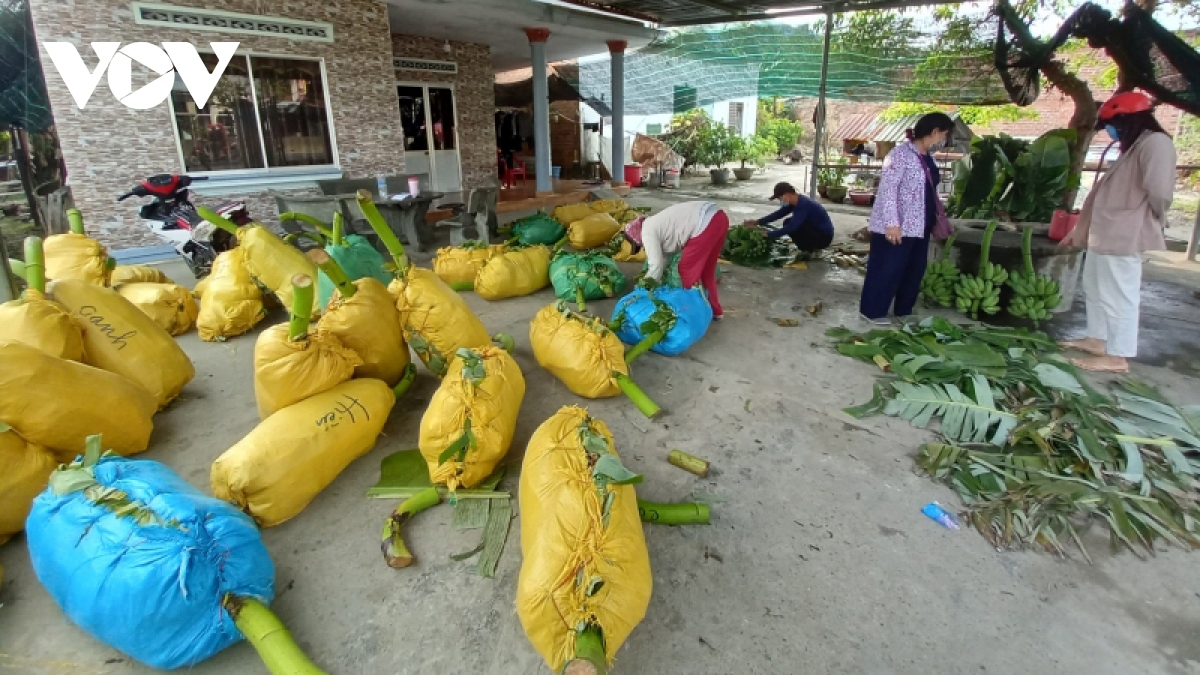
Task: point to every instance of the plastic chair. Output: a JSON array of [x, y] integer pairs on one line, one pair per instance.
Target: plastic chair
[[517, 169]]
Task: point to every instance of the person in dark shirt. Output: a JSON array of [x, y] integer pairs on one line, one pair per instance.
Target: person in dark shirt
[[807, 222]]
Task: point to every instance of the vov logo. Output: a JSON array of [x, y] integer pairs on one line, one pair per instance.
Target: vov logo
[[167, 60]]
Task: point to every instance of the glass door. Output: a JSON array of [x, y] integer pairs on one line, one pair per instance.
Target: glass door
[[431, 134]]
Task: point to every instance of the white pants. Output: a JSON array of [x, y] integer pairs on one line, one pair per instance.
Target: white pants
[[1112, 287]]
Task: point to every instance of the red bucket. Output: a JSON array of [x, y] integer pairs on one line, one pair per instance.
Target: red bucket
[[1062, 223], [633, 175]]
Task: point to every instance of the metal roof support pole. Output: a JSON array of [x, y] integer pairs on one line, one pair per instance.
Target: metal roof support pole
[[820, 122], [616, 50], [1194, 243], [541, 110]]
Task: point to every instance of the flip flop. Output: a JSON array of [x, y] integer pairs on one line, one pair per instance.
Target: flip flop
[[1093, 367], [1077, 345]]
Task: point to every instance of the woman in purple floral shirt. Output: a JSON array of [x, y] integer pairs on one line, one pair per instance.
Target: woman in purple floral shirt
[[902, 220]]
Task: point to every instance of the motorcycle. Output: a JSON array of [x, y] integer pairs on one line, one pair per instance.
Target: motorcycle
[[173, 218]]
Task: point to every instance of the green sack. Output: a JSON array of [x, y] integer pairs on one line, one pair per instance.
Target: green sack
[[359, 259], [537, 229], [671, 278], [594, 273]]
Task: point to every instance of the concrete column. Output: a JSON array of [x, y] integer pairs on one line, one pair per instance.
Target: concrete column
[[1194, 242], [541, 109], [616, 50]]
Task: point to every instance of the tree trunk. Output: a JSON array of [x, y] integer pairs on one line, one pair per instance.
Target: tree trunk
[[1083, 121]]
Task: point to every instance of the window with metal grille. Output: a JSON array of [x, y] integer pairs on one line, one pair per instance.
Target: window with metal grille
[[736, 108]]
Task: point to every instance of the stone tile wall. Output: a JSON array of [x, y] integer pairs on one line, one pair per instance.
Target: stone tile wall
[[108, 147], [474, 98]]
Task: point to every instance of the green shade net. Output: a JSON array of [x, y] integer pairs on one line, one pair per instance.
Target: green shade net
[[955, 56], [23, 99]]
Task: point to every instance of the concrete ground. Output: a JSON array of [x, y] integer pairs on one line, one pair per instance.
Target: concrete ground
[[818, 559]]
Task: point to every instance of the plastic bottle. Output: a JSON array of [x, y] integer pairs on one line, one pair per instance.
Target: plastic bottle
[[381, 185], [943, 517]]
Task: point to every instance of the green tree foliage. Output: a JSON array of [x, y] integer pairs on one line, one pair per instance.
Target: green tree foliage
[[781, 132]]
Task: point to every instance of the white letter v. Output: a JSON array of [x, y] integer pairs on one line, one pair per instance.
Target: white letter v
[[75, 75]]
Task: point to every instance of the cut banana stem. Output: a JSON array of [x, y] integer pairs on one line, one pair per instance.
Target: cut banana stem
[[395, 552], [688, 463], [589, 654], [406, 381], [688, 513], [75, 221], [463, 286], [635, 394], [302, 301], [269, 637], [506, 342], [366, 203], [35, 264], [580, 300], [334, 271], [644, 346]]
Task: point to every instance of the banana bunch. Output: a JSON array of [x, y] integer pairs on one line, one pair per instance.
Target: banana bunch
[[1034, 295], [981, 292], [937, 286]]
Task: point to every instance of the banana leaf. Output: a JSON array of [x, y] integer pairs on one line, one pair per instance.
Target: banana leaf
[[1041, 177]]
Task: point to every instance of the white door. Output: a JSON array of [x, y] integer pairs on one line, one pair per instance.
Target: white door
[[430, 134]]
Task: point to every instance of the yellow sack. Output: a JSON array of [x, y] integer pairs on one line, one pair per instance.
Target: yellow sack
[[124, 274], [231, 303], [287, 371], [39, 322], [75, 256], [274, 262], [277, 469], [479, 399], [456, 265], [581, 354], [202, 285], [59, 403], [569, 213], [595, 230], [170, 305], [626, 254], [566, 544], [609, 206], [26, 470], [436, 321], [514, 273], [119, 338], [369, 324]]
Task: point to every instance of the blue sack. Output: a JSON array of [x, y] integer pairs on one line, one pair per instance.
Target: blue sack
[[693, 316], [153, 590]]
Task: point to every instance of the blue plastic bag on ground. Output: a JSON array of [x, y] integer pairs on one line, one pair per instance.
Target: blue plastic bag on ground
[[692, 313], [358, 259], [150, 589]]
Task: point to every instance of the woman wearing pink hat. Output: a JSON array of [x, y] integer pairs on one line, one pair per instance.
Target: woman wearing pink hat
[[698, 229]]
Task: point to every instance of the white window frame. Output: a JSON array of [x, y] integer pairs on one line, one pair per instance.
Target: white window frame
[[428, 132], [266, 176]]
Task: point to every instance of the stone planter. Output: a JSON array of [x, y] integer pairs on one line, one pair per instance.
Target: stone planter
[[862, 198], [836, 193], [719, 176], [745, 173], [823, 190]]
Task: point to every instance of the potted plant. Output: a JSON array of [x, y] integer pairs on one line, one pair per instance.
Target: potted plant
[[831, 182], [716, 150], [753, 149], [862, 192]]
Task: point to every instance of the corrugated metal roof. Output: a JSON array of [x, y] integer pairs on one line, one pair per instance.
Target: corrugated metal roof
[[872, 128], [854, 127]]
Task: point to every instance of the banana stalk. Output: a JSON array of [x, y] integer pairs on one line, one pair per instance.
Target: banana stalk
[[688, 463], [334, 271], [269, 637], [689, 513], [644, 346], [635, 394], [395, 552], [366, 203], [35, 265], [589, 654], [302, 302]]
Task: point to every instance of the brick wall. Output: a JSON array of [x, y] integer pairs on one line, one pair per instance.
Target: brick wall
[[474, 98], [565, 142], [108, 147]]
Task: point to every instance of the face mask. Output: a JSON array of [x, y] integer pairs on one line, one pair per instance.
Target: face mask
[[1112, 131]]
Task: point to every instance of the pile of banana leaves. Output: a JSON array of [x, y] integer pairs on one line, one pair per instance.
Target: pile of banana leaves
[[1035, 452]]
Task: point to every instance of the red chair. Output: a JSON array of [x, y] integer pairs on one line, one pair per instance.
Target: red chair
[[508, 174]]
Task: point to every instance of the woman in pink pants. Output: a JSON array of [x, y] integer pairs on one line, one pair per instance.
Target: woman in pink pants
[[698, 229]]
